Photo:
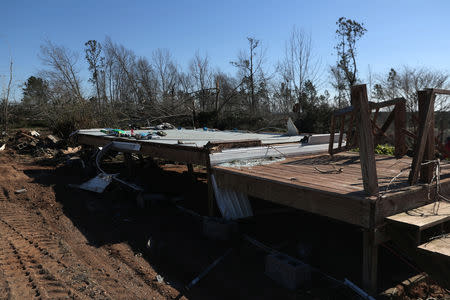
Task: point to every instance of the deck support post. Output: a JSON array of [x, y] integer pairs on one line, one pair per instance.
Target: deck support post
[[190, 169], [370, 262], [365, 135]]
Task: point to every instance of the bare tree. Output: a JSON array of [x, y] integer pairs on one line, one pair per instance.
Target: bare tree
[[62, 73], [250, 71], [148, 83], [167, 74], [407, 82], [298, 66], [201, 75]]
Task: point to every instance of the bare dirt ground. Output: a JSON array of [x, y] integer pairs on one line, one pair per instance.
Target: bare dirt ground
[[44, 255], [58, 242]]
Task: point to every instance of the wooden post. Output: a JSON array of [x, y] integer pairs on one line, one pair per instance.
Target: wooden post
[[400, 125], [364, 130], [341, 131], [426, 115], [426, 172], [370, 262], [331, 144]]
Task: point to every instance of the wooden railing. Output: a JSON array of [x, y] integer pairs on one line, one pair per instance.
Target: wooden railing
[[346, 117]]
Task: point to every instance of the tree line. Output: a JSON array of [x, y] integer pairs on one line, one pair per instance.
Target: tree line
[[128, 90]]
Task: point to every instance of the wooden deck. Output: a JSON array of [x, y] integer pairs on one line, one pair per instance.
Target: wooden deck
[[331, 186]]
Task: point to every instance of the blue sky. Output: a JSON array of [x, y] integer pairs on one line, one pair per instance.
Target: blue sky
[[416, 33]]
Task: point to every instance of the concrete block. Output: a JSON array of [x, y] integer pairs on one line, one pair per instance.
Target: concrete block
[[219, 229], [290, 273]]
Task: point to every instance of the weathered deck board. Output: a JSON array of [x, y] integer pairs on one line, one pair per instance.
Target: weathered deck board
[[423, 217], [298, 182], [306, 172]]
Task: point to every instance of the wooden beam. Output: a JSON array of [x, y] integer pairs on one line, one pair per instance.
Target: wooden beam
[[425, 117], [378, 105], [439, 91], [388, 121], [366, 147], [375, 115], [400, 125]]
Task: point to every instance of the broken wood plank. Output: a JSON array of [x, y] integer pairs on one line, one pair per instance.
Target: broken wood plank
[[426, 171], [366, 147], [424, 126]]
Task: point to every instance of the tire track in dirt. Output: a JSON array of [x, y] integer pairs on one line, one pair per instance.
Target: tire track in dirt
[[34, 263], [53, 271]]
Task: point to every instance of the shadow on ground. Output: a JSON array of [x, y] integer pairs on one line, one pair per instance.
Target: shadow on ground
[[173, 244]]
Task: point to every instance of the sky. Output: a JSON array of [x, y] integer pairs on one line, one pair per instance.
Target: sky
[[413, 33]]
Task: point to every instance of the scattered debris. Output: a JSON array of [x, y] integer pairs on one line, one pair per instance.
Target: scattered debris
[[71, 150], [3, 147], [165, 126], [35, 133], [97, 184], [208, 269], [159, 278], [21, 191], [53, 138]]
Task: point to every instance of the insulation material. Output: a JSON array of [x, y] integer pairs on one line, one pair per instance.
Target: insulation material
[[292, 129], [233, 205], [252, 162]]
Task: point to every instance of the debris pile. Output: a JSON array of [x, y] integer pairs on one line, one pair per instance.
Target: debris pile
[[35, 144]]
